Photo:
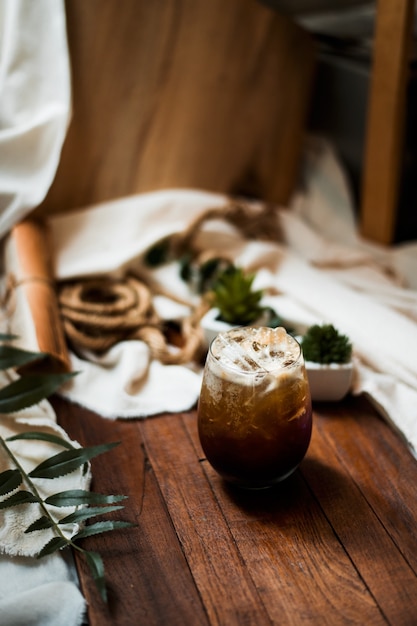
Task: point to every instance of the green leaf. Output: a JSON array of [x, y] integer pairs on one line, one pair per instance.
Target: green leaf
[[95, 563], [87, 513], [29, 390], [56, 543], [65, 462], [158, 254], [40, 524], [186, 267], [47, 437], [101, 527], [9, 481], [77, 497], [43, 437], [7, 337], [21, 497], [11, 356]]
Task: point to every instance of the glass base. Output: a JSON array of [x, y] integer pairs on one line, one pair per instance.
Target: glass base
[[248, 486]]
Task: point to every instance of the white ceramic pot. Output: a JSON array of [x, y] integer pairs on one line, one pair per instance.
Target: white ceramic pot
[[212, 326], [329, 382]]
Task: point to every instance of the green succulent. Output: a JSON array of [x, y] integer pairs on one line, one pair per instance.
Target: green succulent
[[324, 344], [234, 296]]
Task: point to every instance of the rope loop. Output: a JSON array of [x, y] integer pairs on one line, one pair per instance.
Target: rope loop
[[98, 313]]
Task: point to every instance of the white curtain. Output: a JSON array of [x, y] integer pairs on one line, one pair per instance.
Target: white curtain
[[35, 95]]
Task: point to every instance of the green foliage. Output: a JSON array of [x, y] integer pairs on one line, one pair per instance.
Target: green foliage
[[202, 276], [234, 296], [12, 357], [158, 254], [324, 344], [29, 390], [18, 487]]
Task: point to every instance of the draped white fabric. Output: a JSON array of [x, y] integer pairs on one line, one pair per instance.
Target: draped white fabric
[[317, 278], [34, 102], [34, 113]]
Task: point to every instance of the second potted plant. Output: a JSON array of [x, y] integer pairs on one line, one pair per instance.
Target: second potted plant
[[328, 360], [234, 302]]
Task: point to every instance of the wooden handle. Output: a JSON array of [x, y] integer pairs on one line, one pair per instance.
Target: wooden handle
[[35, 312]]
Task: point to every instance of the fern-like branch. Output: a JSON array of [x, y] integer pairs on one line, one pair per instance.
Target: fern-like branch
[[10, 480], [18, 487]]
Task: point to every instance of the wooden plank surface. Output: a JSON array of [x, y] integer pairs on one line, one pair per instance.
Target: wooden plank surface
[[210, 95], [334, 544]]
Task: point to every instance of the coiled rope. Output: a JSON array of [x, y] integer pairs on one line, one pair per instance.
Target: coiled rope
[[100, 312]]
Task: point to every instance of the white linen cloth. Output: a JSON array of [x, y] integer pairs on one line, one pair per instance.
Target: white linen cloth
[[30, 453], [326, 275], [35, 108], [34, 102], [36, 592], [39, 593], [125, 382]]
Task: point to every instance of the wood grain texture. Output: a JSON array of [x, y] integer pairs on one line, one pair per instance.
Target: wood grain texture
[[384, 138], [365, 516], [149, 581], [228, 593], [292, 552], [333, 545], [211, 95]]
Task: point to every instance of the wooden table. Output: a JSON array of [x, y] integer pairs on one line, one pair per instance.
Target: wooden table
[[334, 544]]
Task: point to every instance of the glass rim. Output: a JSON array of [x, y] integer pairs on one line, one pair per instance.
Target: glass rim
[[298, 359]]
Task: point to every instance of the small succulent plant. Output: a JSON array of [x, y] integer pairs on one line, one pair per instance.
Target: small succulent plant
[[324, 344], [234, 296]]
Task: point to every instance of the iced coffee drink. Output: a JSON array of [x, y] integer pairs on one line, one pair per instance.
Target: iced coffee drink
[[254, 412]]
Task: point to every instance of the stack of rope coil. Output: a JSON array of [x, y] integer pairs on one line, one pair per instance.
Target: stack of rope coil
[[98, 313]]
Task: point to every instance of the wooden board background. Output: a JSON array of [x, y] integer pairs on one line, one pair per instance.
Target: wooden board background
[[190, 93]]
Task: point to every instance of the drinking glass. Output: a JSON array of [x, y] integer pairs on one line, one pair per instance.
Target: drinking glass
[[254, 410]]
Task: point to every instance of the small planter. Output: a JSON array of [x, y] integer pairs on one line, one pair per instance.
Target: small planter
[[212, 326], [330, 382], [328, 360]]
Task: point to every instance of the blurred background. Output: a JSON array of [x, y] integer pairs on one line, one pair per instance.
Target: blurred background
[[345, 30]]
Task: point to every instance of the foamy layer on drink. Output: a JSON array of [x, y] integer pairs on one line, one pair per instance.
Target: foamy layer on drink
[[261, 351]]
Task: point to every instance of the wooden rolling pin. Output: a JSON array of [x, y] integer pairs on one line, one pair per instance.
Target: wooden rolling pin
[[32, 308]]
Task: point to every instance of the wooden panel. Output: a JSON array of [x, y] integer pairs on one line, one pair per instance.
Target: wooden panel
[[182, 94], [386, 116]]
